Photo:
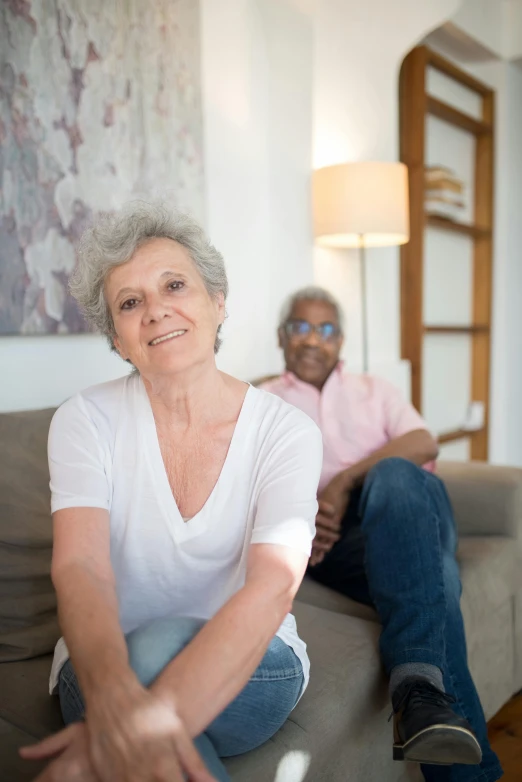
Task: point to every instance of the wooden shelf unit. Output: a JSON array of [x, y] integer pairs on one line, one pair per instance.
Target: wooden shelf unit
[[445, 224], [477, 329], [449, 114], [457, 434], [415, 105]]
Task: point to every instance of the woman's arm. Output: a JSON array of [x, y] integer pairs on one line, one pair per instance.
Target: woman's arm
[[130, 733], [208, 674], [81, 567], [194, 688], [87, 603]]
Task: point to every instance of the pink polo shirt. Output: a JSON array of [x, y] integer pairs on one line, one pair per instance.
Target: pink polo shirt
[[357, 415]]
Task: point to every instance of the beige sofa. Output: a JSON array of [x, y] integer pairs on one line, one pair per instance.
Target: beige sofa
[[339, 731]]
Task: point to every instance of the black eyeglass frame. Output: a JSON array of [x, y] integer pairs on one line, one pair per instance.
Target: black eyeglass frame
[[312, 328]]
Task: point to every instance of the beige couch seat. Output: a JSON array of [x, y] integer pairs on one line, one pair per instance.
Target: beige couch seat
[[339, 730]]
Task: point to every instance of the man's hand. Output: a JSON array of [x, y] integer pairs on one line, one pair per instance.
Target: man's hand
[[333, 501]]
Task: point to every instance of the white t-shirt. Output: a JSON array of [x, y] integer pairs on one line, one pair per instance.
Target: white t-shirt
[[104, 453]]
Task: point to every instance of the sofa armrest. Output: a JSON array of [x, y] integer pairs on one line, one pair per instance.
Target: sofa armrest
[[487, 500]]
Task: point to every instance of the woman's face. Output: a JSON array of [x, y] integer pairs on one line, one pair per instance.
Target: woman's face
[[164, 318]]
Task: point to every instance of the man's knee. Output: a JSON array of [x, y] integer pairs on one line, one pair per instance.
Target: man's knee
[[394, 472], [387, 485], [154, 645]]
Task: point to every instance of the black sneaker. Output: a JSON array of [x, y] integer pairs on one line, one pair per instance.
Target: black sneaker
[[427, 730]]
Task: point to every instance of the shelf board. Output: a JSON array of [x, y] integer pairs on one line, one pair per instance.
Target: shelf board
[[446, 224], [444, 66], [477, 329], [457, 434], [447, 113]]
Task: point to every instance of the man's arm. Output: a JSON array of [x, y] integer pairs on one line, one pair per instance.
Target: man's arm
[[418, 447]]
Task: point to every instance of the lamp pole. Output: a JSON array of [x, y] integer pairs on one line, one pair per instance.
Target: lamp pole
[[364, 304]]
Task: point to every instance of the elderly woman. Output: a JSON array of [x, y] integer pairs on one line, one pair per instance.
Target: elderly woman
[[183, 503]]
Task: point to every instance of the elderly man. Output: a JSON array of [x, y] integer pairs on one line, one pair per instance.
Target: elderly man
[[386, 537]]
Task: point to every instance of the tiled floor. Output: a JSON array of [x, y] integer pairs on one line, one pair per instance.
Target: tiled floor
[[505, 733]]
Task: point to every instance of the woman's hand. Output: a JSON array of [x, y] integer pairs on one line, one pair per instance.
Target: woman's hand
[[333, 501], [70, 753], [135, 737]]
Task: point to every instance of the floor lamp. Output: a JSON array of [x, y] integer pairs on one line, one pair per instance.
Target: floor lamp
[[361, 205]]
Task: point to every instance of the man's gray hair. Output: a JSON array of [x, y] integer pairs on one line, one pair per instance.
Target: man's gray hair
[[311, 293], [114, 238]]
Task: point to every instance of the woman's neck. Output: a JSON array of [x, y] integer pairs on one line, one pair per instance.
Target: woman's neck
[[197, 395]]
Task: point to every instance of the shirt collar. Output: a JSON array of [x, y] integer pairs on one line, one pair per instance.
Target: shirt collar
[[292, 380]]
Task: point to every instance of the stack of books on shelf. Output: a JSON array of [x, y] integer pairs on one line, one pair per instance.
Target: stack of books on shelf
[[444, 193]]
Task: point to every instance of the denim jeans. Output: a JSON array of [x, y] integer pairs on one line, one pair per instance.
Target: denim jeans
[[251, 719], [397, 553]]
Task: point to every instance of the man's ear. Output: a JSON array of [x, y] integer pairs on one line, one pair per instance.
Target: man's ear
[[281, 338]]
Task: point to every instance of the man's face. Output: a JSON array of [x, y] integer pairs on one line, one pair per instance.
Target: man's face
[[310, 356]]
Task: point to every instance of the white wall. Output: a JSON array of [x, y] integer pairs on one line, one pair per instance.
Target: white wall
[[506, 367], [356, 117], [513, 29], [359, 51], [257, 70], [257, 75], [483, 20], [44, 371], [496, 24], [507, 345], [257, 58]]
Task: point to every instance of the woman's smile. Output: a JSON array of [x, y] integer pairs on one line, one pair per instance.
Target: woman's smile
[[167, 337]]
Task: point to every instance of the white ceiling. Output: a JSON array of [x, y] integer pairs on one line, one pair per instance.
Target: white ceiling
[[454, 42]]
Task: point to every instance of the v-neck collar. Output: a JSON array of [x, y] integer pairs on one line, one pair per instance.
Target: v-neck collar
[[198, 523]]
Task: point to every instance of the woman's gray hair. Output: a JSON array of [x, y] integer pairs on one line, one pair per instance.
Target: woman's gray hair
[[114, 238], [311, 293]]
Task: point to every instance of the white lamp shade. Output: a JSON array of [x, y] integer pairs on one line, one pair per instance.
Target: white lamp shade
[[361, 202]]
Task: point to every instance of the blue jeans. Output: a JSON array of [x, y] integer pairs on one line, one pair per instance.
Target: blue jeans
[[251, 719], [397, 553]]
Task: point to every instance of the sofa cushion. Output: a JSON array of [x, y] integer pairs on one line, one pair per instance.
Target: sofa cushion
[[489, 575], [315, 594], [486, 499], [12, 767], [25, 699], [340, 724], [28, 623], [341, 721], [339, 729], [488, 567]]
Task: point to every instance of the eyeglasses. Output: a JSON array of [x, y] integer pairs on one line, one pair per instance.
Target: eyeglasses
[[301, 328]]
